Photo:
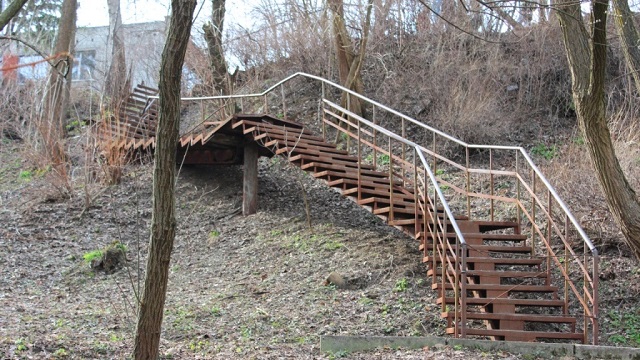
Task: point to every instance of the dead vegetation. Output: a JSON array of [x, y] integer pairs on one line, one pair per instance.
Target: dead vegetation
[[258, 286]]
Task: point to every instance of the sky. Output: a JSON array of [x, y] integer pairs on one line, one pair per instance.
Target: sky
[[94, 12]]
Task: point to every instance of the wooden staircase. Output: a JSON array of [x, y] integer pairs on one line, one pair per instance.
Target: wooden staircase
[[509, 296], [518, 277]]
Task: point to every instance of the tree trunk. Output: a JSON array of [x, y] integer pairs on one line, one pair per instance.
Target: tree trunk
[[213, 36], [58, 88], [630, 38], [349, 64], [163, 222], [116, 86], [587, 62], [11, 11]]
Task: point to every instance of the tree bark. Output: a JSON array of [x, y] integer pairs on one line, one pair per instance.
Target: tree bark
[[58, 88], [10, 12], [116, 86], [630, 38], [587, 62], [349, 64], [163, 222], [213, 36]]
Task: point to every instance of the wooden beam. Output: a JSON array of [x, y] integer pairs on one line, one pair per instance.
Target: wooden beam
[[250, 179]]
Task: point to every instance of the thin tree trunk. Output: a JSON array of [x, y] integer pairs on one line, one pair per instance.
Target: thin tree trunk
[[116, 86], [213, 36], [10, 12], [344, 47], [587, 62], [163, 222], [58, 88], [630, 38], [349, 64]]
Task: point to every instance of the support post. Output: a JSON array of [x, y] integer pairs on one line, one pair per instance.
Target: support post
[[250, 179]]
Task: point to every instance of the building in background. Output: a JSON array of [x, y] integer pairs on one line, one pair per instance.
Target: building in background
[[144, 43]]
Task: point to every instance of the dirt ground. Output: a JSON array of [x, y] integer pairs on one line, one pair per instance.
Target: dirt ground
[[239, 287]]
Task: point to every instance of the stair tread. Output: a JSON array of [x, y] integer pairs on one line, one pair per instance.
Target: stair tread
[[275, 129], [501, 287], [495, 225], [319, 166], [510, 316], [378, 191], [496, 248], [319, 149], [523, 334], [499, 273], [491, 237], [396, 202], [269, 135], [328, 160], [366, 180], [506, 301], [336, 154], [497, 261]]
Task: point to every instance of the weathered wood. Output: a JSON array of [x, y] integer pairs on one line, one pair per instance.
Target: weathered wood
[[250, 179]]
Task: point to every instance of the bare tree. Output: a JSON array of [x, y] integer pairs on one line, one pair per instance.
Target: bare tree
[[213, 36], [52, 116], [163, 222], [12, 10], [587, 57], [116, 85], [349, 62], [630, 38]]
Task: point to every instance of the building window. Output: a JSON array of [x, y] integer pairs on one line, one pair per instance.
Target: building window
[[84, 65]]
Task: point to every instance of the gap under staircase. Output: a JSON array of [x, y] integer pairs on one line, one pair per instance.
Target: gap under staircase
[[498, 244]]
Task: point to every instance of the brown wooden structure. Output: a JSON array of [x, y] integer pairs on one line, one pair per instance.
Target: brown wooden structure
[[502, 279]]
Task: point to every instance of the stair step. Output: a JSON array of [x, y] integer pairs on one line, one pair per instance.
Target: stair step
[[497, 273], [485, 226], [500, 287], [339, 178], [497, 248], [401, 222], [506, 301], [268, 122], [514, 317], [336, 154], [396, 202], [319, 167], [489, 236], [328, 160], [365, 181], [319, 149], [269, 135], [266, 118], [380, 191], [520, 335], [265, 129], [492, 260]]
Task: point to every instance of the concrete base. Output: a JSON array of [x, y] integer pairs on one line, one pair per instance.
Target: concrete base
[[349, 344]]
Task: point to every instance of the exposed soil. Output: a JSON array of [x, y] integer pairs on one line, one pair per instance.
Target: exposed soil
[[239, 287]]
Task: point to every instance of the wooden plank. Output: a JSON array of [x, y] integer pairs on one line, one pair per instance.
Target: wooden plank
[[250, 179], [517, 317], [503, 288], [515, 335], [507, 301]]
